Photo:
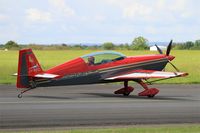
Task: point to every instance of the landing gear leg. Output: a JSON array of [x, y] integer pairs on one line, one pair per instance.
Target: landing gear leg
[[149, 92], [32, 84], [126, 90], [22, 92]]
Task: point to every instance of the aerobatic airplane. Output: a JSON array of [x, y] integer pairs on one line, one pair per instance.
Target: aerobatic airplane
[[98, 67]]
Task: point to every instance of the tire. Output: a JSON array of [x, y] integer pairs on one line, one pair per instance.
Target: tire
[[150, 96], [126, 94], [19, 96]]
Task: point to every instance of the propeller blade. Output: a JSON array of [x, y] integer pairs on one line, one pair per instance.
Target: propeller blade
[[169, 47], [163, 70], [173, 66], [159, 50]]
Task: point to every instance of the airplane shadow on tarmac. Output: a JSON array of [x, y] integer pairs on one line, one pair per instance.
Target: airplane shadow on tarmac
[[175, 98], [103, 95], [50, 97]]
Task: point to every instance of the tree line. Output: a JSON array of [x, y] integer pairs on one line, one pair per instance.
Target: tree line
[[138, 43], [189, 45]]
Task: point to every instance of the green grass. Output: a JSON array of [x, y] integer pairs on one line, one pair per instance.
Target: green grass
[[139, 129], [187, 61]]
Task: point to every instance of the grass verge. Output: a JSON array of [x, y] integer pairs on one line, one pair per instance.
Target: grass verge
[[183, 128], [187, 61]]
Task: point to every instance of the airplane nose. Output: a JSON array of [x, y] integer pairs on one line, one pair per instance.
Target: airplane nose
[[170, 57]]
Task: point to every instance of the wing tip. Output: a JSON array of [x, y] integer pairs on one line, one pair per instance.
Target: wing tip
[[184, 74]]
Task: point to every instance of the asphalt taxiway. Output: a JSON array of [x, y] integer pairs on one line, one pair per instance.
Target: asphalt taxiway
[[96, 105]]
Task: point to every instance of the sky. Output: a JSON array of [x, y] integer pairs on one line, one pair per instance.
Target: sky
[[98, 21]]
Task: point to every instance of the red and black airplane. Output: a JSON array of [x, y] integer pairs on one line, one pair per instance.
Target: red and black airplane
[[94, 68]]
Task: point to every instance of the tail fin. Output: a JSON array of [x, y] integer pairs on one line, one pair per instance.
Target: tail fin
[[28, 66]]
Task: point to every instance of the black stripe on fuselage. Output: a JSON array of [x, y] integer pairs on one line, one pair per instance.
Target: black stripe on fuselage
[[98, 76], [157, 65], [135, 65]]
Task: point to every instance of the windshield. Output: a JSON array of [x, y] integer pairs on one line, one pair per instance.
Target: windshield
[[102, 57]]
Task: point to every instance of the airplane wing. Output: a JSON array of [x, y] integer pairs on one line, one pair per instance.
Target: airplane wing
[[146, 74]]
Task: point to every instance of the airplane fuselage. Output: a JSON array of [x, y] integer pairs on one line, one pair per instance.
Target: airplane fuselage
[[77, 71]]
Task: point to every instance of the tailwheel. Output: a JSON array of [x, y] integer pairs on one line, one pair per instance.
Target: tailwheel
[[126, 90], [19, 96], [22, 92]]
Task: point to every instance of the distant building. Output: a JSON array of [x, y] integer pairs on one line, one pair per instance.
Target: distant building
[[153, 48]]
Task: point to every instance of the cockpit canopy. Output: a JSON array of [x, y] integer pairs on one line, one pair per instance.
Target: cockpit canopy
[[103, 57]]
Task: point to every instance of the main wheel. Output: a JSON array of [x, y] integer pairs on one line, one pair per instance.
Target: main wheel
[[19, 96], [150, 96], [126, 93]]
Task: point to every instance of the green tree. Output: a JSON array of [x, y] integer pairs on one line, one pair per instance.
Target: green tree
[[188, 45], [196, 45], [108, 46], [11, 44], [139, 43], [179, 46], [126, 46]]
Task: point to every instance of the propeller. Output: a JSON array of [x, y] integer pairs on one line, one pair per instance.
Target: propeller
[[169, 47], [159, 50]]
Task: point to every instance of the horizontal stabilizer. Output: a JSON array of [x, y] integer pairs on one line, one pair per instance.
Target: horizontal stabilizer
[[43, 75], [46, 75], [15, 74]]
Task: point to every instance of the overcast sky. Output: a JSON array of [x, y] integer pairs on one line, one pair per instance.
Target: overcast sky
[[97, 21]]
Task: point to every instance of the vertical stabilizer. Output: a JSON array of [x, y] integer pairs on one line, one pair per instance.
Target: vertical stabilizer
[[28, 66]]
